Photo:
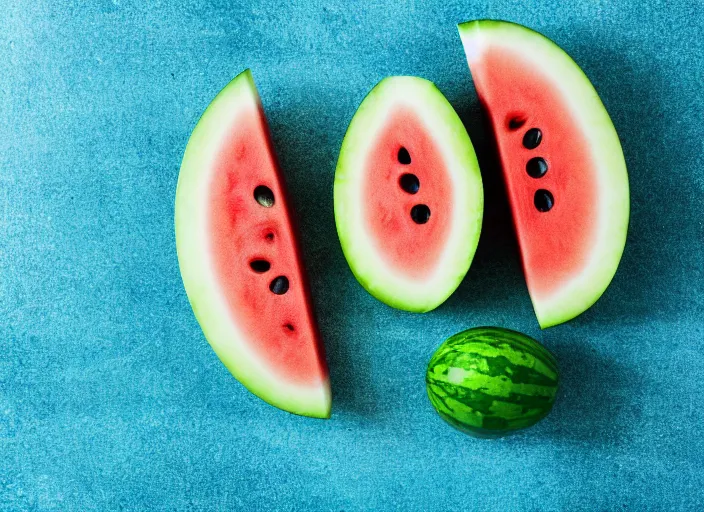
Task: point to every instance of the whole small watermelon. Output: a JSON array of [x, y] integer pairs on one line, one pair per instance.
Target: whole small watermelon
[[490, 382]]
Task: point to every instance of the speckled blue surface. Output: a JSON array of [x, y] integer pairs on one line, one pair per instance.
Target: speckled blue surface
[[110, 397]]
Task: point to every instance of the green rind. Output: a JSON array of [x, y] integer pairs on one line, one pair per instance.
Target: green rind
[[367, 269], [589, 112], [490, 381], [200, 285]]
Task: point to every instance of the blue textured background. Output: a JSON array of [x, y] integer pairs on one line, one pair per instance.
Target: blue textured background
[[110, 397]]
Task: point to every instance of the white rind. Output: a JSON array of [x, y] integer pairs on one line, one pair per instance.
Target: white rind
[[204, 292], [370, 268], [581, 291]]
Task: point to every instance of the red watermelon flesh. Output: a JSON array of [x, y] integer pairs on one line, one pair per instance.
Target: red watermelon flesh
[[550, 253], [243, 232], [572, 242], [240, 258], [412, 249]]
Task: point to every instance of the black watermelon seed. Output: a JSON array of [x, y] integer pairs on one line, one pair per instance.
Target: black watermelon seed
[[516, 122], [264, 196], [279, 285], [532, 138], [543, 200], [404, 156], [536, 167], [260, 266], [420, 213], [409, 183], [289, 327]]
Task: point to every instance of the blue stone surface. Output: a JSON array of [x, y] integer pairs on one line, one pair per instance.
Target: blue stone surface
[[111, 398]]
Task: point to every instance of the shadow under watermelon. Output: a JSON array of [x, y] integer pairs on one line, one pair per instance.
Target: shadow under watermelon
[[599, 400], [494, 286], [306, 136]]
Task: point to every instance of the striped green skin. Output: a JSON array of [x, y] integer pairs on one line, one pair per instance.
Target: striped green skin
[[490, 382]]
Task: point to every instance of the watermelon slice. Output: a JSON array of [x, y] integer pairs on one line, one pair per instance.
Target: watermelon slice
[[239, 258], [408, 195], [562, 164]]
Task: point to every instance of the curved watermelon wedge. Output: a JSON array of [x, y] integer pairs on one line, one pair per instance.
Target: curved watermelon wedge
[[408, 195], [562, 163], [239, 257]]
